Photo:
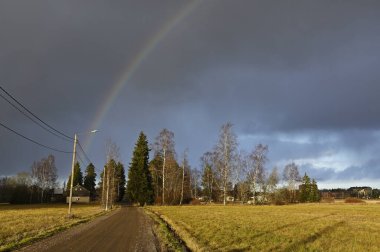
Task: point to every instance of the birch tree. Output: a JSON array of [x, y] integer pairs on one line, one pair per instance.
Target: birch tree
[[108, 181], [272, 182], [226, 152], [164, 146], [292, 177], [44, 174], [185, 166], [208, 175], [256, 168]]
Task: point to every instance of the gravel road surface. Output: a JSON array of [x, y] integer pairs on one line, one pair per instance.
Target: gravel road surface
[[126, 229]]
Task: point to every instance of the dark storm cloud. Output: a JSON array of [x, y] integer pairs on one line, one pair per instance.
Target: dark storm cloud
[[304, 65], [280, 71]]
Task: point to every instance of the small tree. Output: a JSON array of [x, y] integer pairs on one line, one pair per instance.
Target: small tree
[[120, 181], [305, 189], [291, 175], [314, 192], [90, 180], [272, 182], [208, 176], [78, 177], [44, 174], [256, 168]]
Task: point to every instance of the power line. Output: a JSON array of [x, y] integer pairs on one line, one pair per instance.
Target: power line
[[33, 120], [33, 141], [80, 159], [84, 153], [84, 165], [30, 112]]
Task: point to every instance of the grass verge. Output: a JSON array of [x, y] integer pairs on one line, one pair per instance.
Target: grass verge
[[22, 225], [167, 239]]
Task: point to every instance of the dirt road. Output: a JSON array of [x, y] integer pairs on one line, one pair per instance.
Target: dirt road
[[127, 229]]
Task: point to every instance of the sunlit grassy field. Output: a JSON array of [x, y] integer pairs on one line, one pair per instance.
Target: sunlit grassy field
[[20, 224], [303, 227]]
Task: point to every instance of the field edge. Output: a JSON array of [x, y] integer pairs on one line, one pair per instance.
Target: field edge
[[186, 240], [33, 239]]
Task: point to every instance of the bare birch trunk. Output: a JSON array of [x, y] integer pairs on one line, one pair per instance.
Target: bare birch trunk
[[104, 187], [183, 180], [163, 178]]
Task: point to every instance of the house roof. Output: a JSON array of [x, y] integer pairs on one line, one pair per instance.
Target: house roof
[[79, 190]]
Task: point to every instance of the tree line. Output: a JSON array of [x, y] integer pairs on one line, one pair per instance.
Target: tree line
[[38, 185], [226, 174], [34, 186]]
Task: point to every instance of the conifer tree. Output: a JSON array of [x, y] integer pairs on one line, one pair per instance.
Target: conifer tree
[[309, 190], [89, 180], [78, 177], [120, 180], [139, 186], [314, 193], [305, 194]]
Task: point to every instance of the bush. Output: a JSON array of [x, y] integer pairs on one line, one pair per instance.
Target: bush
[[195, 202], [328, 200], [158, 200], [354, 200]]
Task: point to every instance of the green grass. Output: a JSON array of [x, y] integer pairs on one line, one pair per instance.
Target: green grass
[[22, 224], [303, 227], [168, 241]]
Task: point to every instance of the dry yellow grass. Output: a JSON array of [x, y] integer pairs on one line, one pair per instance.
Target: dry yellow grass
[[303, 227], [19, 224]]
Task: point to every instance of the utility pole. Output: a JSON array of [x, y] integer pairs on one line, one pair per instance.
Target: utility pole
[[72, 176]]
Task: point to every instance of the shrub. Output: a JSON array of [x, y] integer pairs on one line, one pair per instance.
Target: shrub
[[353, 200], [195, 202], [328, 200]]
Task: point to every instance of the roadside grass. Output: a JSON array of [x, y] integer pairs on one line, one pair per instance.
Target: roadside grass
[[23, 224], [167, 239], [302, 227]]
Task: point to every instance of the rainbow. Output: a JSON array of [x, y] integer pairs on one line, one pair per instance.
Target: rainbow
[[135, 63]]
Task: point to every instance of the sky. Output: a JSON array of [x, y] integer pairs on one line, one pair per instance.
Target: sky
[[299, 76]]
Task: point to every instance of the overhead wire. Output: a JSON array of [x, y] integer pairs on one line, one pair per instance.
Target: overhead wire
[[33, 141], [33, 120], [80, 159], [35, 116], [84, 153], [43, 125], [84, 165]]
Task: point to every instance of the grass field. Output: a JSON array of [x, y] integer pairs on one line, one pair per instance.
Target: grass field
[[20, 224], [303, 227]]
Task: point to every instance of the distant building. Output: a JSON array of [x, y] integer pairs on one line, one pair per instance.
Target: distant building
[[80, 195], [259, 199], [57, 195], [230, 199]]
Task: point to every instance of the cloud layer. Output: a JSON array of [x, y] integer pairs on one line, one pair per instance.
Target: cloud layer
[[299, 76]]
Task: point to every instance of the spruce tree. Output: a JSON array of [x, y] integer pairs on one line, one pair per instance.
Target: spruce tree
[[139, 186], [314, 193], [305, 189], [89, 180], [120, 178], [78, 177]]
